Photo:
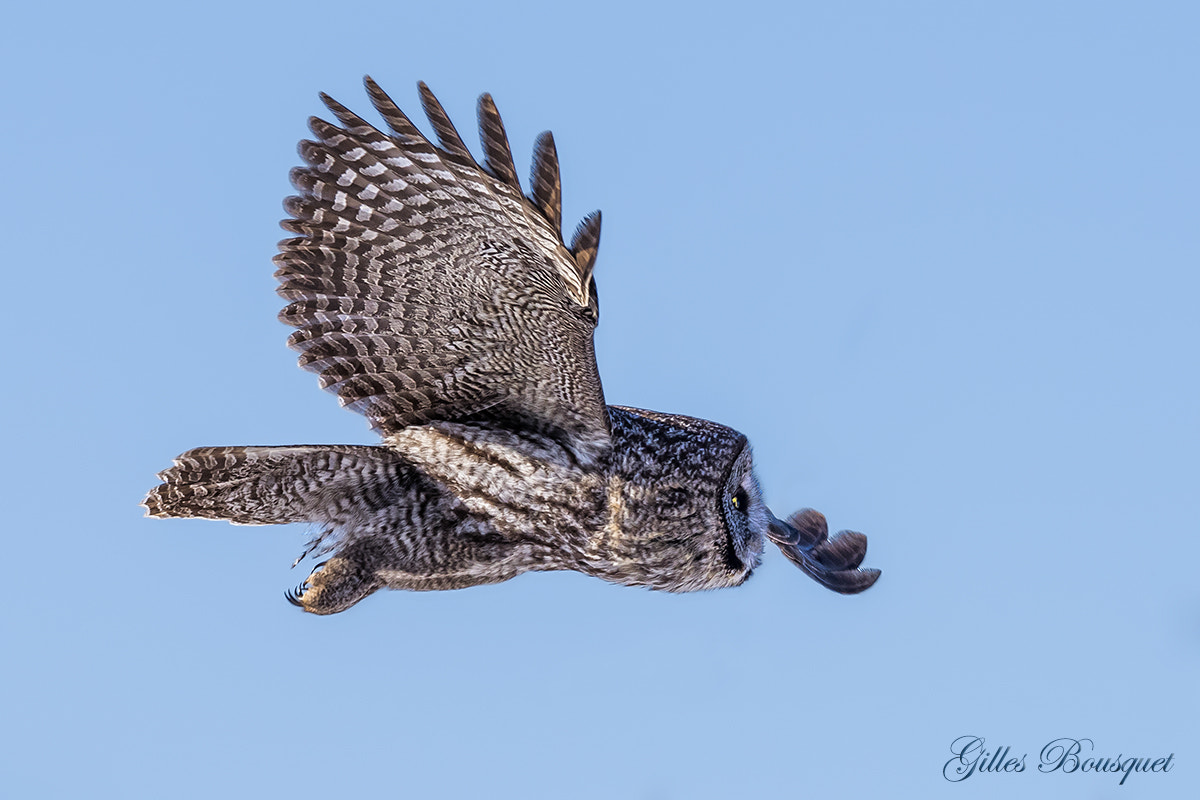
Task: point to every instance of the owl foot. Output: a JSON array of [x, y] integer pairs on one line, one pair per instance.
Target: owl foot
[[332, 586], [833, 563]]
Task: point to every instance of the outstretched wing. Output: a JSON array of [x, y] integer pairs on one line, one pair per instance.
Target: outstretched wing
[[426, 287]]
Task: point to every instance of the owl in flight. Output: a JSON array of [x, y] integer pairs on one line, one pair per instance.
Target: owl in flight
[[438, 300]]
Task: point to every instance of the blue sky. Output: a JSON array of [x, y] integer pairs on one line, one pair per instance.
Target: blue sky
[[937, 260]]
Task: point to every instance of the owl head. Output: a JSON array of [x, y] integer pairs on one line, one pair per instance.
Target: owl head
[[690, 514]]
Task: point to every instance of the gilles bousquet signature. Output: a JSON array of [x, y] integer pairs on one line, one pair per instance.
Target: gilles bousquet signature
[[972, 756]]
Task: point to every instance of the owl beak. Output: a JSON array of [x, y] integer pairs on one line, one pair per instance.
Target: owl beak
[[833, 563]]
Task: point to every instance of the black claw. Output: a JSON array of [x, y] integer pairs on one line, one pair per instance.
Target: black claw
[[293, 596]]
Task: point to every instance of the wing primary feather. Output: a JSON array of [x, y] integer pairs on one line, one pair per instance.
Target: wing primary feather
[[497, 155], [585, 244], [447, 135], [545, 182], [400, 124], [348, 118]]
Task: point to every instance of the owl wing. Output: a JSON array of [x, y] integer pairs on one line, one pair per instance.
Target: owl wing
[[426, 287]]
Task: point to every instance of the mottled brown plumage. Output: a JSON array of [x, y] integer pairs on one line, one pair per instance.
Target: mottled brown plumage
[[435, 298]]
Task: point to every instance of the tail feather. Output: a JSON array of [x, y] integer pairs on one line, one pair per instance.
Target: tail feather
[[264, 485]]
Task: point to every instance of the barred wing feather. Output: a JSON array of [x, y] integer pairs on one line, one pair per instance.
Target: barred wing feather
[[425, 287]]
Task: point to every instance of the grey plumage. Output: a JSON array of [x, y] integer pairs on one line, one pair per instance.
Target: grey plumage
[[436, 299]]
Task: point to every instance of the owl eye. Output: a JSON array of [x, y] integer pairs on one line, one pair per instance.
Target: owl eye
[[741, 501]]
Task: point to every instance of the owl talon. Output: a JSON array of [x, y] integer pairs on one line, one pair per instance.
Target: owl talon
[[333, 585], [295, 596]]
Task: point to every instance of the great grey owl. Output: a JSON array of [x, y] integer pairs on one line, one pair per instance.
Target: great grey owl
[[439, 301]]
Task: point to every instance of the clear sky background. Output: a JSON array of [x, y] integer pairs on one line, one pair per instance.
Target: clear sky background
[[937, 260]]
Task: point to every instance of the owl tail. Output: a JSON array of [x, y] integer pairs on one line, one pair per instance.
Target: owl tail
[[265, 485]]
